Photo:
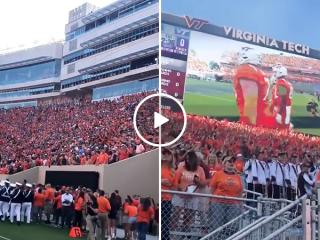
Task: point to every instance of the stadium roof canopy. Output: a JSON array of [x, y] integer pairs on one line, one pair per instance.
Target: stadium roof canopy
[[106, 10]]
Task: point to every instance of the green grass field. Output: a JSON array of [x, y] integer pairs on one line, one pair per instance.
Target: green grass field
[[10, 231], [217, 99]]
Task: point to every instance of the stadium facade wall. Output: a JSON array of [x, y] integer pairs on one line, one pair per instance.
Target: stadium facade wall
[[137, 175], [110, 55], [115, 79], [106, 28]]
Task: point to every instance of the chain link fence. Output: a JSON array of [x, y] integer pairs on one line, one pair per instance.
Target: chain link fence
[[195, 215], [209, 217]]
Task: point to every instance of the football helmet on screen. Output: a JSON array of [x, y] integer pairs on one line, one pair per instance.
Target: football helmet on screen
[[248, 55]]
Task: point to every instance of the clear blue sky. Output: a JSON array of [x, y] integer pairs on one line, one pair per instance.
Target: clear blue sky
[[292, 20]]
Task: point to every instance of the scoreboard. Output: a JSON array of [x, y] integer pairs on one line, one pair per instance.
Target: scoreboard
[[174, 52]]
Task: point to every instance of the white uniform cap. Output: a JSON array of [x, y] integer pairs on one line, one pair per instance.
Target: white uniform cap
[[29, 185], [18, 184]]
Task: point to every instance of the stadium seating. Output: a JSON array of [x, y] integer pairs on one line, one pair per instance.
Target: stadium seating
[[68, 132]]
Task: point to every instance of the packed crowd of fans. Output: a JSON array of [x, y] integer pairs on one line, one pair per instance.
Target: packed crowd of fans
[[210, 135], [263, 157], [69, 132], [300, 69], [258, 154], [95, 213], [300, 63]]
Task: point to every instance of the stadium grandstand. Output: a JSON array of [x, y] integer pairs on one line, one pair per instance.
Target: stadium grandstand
[[66, 108], [303, 73]]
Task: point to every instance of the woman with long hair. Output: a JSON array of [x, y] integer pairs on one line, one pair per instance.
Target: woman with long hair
[[190, 177], [114, 203], [131, 211], [78, 207], [145, 215]]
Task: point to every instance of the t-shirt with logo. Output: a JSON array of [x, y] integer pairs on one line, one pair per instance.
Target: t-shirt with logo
[[226, 184]]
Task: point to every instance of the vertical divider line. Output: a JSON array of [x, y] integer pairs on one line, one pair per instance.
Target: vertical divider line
[[160, 111]]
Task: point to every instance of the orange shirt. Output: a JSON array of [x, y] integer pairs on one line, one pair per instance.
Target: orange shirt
[[103, 158], [57, 199], [93, 159], [83, 160], [225, 184], [123, 154], [145, 216], [39, 200], [79, 204], [103, 204], [49, 194], [169, 175], [131, 210]]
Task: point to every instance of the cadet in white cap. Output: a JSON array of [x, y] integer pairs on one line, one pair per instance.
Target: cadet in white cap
[[16, 201], [5, 198], [28, 195]]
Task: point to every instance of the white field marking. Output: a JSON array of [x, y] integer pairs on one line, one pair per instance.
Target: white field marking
[[2, 237], [213, 96]]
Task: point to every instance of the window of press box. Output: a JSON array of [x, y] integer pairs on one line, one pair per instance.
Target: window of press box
[[109, 72], [30, 73]]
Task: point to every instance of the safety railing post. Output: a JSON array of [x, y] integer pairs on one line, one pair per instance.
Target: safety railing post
[[306, 219], [318, 210], [259, 207], [313, 220]]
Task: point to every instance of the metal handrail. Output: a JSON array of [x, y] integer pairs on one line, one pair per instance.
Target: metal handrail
[[266, 220], [225, 225], [283, 228], [209, 195]]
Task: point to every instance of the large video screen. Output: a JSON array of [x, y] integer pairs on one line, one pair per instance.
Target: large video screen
[[239, 81]]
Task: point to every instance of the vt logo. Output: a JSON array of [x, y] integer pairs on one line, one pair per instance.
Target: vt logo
[[195, 23]]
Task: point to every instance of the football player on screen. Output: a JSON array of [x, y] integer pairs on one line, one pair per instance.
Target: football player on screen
[[282, 92], [251, 88]]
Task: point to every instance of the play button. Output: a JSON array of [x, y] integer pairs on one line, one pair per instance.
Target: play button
[[159, 120], [152, 120]]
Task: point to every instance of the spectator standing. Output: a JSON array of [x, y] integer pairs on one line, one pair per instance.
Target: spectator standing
[[38, 205], [145, 214], [103, 209], [225, 183], [78, 207], [67, 201]]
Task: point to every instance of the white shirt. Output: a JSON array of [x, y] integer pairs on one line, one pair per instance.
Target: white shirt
[[140, 148], [294, 171], [67, 197], [277, 171], [260, 170]]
